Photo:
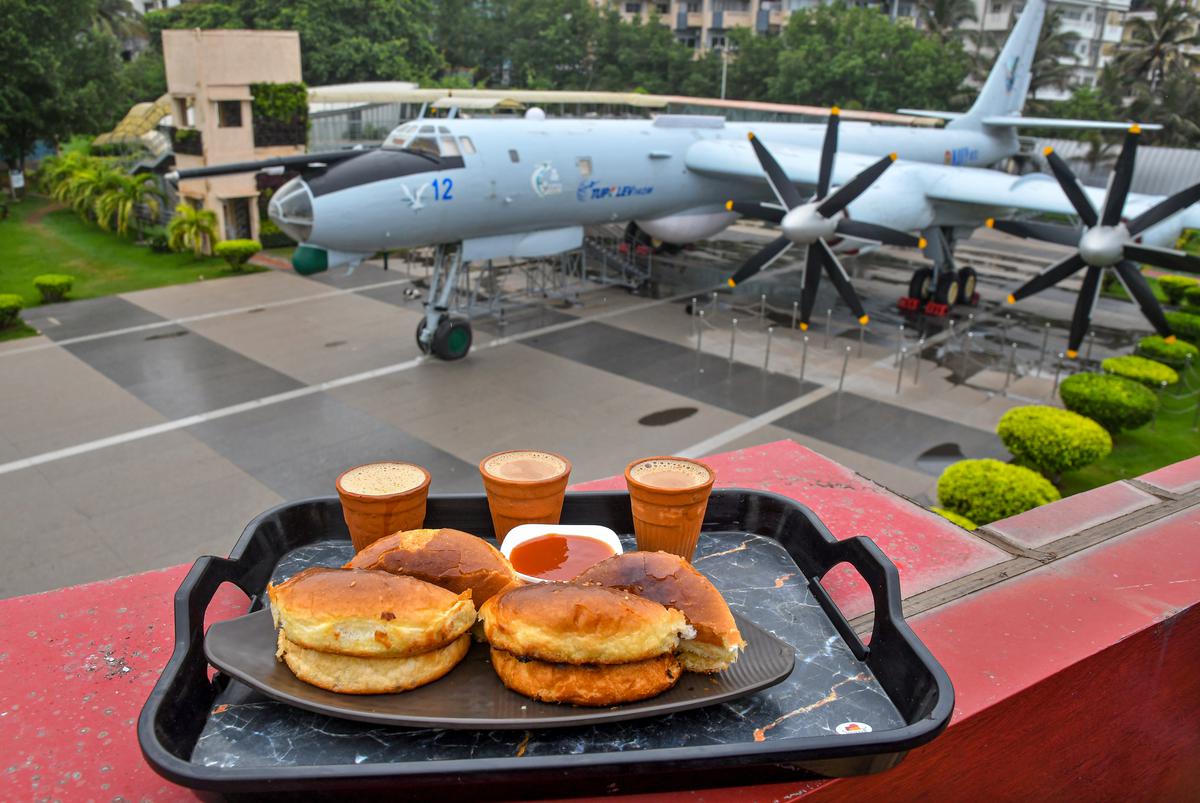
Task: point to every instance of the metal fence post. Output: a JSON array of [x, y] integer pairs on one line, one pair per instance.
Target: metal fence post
[[795, 313], [1012, 365], [767, 356], [828, 325], [762, 306], [804, 360], [732, 340], [699, 331], [900, 370], [899, 343], [1057, 372], [1042, 356], [845, 363], [917, 369]]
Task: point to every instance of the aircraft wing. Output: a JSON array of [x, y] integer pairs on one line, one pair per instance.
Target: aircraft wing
[[736, 160]]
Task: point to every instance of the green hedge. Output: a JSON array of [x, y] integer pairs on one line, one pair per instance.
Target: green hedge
[[1150, 373], [1185, 325], [983, 491], [1052, 440], [158, 239], [1174, 354], [1114, 402], [954, 518], [1176, 286], [237, 252], [53, 286], [1191, 297], [10, 309]]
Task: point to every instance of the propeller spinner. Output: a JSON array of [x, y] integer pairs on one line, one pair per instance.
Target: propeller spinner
[[1106, 240], [812, 222]]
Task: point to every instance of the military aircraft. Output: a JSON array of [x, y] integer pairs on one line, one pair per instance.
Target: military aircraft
[[529, 187]]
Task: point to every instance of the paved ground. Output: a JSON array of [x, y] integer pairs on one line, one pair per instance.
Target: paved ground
[[143, 430]]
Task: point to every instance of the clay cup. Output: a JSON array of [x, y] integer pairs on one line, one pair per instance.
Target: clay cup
[[668, 518], [514, 501], [371, 516]]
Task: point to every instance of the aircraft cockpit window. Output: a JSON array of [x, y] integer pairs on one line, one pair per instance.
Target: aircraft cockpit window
[[516, 157], [423, 145], [427, 129], [584, 163], [468, 146], [448, 146], [443, 130]]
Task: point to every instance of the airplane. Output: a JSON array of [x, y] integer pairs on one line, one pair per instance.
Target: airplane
[[528, 188]]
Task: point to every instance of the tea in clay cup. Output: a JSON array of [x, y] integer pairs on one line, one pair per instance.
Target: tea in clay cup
[[669, 496], [524, 486], [382, 498]]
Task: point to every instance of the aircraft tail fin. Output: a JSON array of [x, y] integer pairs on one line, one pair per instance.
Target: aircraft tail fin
[[1003, 93]]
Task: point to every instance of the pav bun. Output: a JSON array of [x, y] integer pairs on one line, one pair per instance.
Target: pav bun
[[589, 684], [452, 559], [368, 614], [671, 581], [350, 675], [574, 624]]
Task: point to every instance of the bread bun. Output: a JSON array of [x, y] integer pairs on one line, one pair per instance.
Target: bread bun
[[671, 581], [350, 675], [573, 624], [589, 684], [452, 559], [368, 614]]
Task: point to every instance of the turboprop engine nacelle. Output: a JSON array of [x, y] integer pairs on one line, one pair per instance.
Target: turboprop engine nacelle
[[689, 226]]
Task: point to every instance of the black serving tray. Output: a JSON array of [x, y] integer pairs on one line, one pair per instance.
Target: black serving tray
[[765, 552]]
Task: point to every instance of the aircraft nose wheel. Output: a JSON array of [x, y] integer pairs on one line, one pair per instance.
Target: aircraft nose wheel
[[451, 338]]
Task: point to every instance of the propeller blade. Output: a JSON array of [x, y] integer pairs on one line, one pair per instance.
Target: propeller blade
[[828, 151], [854, 187], [1046, 232], [1164, 209], [1083, 310], [812, 280], [782, 186], [1163, 257], [1118, 188], [1140, 290], [883, 234], [756, 211], [1048, 278], [1070, 186], [837, 275], [773, 251]]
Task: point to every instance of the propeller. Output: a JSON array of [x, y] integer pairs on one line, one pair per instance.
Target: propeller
[[811, 222], [1105, 241]]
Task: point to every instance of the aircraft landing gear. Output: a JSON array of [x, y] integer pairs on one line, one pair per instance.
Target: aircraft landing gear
[[935, 290], [445, 336]]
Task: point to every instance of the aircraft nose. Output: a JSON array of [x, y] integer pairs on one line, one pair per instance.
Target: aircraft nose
[[291, 209]]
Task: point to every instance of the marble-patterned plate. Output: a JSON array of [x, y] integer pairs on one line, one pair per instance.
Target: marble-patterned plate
[[471, 696]]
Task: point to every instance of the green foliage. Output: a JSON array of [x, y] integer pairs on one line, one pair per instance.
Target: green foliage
[[286, 103], [951, 516], [1113, 402], [1185, 325], [1152, 374], [1176, 286], [121, 199], [10, 309], [53, 286], [191, 228], [156, 238], [984, 491], [1052, 440], [1191, 297], [271, 236], [1175, 354], [237, 252]]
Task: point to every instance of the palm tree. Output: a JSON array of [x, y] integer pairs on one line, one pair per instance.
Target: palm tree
[[1053, 60], [192, 228], [943, 19], [85, 187], [1175, 103], [120, 202], [1153, 44], [119, 18]]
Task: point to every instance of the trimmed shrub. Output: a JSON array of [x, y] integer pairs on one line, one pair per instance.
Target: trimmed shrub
[[1191, 297], [10, 309], [53, 286], [157, 239], [1175, 286], [1051, 440], [1174, 354], [954, 518], [237, 252], [1150, 373], [1113, 402], [983, 491], [1185, 325]]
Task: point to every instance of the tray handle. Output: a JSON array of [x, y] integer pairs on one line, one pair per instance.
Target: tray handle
[[196, 593], [881, 577]]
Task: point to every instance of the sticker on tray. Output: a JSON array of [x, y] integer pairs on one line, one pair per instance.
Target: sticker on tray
[[853, 727]]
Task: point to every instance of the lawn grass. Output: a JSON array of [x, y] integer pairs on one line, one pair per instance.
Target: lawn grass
[[1140, 451], [102, 262]]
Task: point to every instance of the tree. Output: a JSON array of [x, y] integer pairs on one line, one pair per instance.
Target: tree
[[943, 19], [192, 228], [858, 58], [1053, 60], [1175, 103], [753, 60], [120, 201], [1154, 44], [118, 19]]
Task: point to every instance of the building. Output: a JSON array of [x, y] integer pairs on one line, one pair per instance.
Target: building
[[209, 77]]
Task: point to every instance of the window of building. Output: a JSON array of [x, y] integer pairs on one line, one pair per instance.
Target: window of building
[[997, 8], [468, 147], [514, 156], [663, 8], [229, 113], [633, 8], [695, 7], [1069, 13], [717, 42], [584, 163], [904, 10]]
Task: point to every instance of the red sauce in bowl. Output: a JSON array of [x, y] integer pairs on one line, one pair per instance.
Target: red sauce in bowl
[[558, 557]]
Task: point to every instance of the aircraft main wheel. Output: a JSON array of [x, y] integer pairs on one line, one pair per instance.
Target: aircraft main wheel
[[422, 344], [947, 289], [920, 286], [451, 339], [966, 285]]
